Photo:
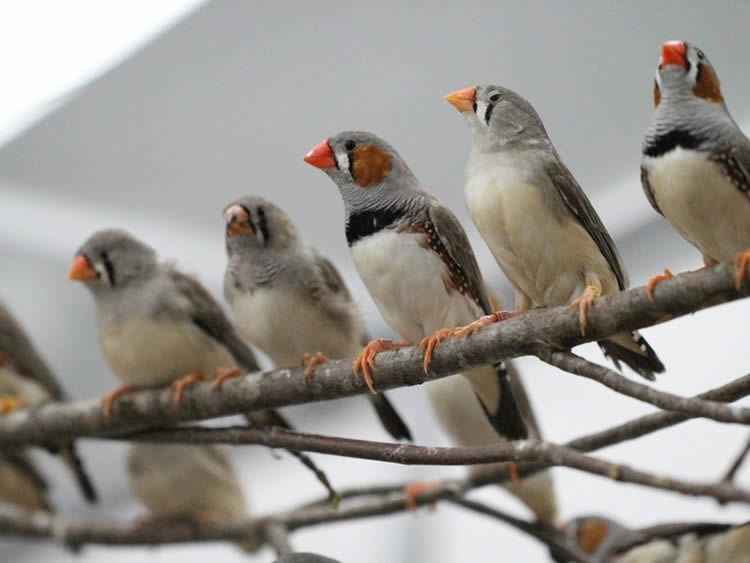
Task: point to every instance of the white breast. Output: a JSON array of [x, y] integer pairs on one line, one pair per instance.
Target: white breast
[[546, 258], [149, 352], [700, 203], [286, 327], [406, 282], [14, 385]]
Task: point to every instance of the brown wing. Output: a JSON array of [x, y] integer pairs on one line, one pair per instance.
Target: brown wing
[[206, 313], [580, 206], [454, 240], [23, 355]]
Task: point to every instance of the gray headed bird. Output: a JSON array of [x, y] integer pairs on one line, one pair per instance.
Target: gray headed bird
[[695, 166], [290, 301], [417, 264], [538, 223]]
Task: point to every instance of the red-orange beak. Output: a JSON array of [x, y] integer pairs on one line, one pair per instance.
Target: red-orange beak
[[463, 100], [321, 156], [81, 270], [237, 220], [673, 53]]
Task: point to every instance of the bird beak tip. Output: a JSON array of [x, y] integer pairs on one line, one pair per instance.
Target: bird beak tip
[[81, 270], [463, 99]]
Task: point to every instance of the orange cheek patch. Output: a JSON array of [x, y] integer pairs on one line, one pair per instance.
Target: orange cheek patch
[[657, 94], [707, 86], [371, 165], [591, 535]]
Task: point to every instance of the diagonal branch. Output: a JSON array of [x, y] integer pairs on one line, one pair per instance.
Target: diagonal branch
[[572, 363], [519, 336]]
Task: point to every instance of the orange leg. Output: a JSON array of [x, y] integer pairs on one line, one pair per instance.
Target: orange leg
[[366, 359], [741, 262], [178, 386], [312, 360], [583, 303], [413, 490], [109, 399], [436, 338], [222, 374], [9, 404], [656, 280]]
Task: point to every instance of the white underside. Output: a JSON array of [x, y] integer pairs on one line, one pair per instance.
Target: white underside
[[701, 203], [287, 327], [406, 283], [15, 385], [144, 353], [549, 260]]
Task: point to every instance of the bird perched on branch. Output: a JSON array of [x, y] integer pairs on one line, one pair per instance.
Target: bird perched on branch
[[188, 482], [538, 223], [695, 542], [158, 326], [290, 301], [416, 261], [21, 483], [695, 166], [27, 381]]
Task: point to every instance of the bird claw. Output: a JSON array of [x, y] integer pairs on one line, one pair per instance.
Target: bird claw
[[222, 374], [412, 492], [109, 399], [366, 359], [9, 404], [741, 262], [429, 343], [656, 280], [310, 361], [584, 303], [178, 386]]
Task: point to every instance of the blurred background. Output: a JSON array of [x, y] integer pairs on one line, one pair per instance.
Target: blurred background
[[151, 116]]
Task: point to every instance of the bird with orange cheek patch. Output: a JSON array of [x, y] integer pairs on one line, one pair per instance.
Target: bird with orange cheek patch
[[417, 264], [695, 167], [606, 541]]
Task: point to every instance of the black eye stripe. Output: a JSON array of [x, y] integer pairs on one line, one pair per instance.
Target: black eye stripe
[[108, 266], [488, 113], [263, 225]]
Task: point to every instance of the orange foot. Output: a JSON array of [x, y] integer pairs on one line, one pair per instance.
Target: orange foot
[[656, 280], [222, 374], [9, 404], [109, 399], [366, 359], [741, 262], [436, 338], [312, 360], [515, 478], [583, 303], [178, 386], [413, 490]]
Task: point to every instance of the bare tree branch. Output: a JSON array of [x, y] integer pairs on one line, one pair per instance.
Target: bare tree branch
[[557, 328], [553, 539], [277, 535], [732, 471], [572, 363]]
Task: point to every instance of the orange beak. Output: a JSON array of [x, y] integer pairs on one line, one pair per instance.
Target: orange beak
[[673, 53], [237, 220], [463, 100], [321, 156], [81, 270]]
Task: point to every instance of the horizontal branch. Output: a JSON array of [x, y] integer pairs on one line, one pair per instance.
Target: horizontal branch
[[542, 452], [519, 336]]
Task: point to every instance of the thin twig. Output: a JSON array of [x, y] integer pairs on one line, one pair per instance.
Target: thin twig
[[277, 536], [557, 327], [732, 471], [553, 539]]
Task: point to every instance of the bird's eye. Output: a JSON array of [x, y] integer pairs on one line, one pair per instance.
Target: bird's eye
[[701, 56], [349, 145], [495, 96]]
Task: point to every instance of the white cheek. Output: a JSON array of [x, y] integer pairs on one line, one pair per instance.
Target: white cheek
[[481, 111], [343, 160]]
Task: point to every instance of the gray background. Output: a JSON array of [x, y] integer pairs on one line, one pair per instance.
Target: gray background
[[227, 102]]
